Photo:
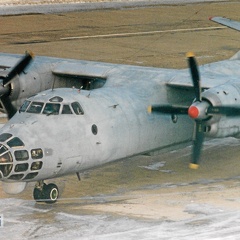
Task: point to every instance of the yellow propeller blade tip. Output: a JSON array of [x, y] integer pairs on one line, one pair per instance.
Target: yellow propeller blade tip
[[190, 54], [193, 166], [149, 109], [30, 53]]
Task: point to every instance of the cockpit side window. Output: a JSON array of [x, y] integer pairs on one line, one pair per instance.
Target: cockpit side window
[[24, 107], [66, 109], [77, 108], [35, 107], [51, 108]]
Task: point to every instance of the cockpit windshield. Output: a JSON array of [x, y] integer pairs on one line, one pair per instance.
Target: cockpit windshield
[[51, 108], [24, 107], [35, 107], [54, 106]]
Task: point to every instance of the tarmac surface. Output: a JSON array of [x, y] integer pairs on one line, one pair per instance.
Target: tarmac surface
[[143, 197]]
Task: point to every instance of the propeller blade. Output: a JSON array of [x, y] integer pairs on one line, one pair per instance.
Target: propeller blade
[[195, 76], [168, 109], [224, 110], [197, 144], [19, 68], [10, 109], [5, 91]]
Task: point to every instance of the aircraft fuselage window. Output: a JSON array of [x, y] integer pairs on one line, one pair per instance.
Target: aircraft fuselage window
[[5, 136], [77, 108], [66, 109], [21, 155], [15, 142], [36, 153], [31, 175], [21, 167], [36, 165], [5, 161], [24, 107], [35, 107], [5, 158], [16, 176], [3, 149], [51, 108], [6, 169]]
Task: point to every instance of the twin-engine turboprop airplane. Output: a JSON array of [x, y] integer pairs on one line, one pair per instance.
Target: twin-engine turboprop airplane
[[104, 117]]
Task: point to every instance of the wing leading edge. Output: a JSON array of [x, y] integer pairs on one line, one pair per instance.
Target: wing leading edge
[[226, 22]]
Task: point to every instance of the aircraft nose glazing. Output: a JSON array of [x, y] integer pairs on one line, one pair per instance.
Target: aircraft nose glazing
[[15, 161], [6, 161]]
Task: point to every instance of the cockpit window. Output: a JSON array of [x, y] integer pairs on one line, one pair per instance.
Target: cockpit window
[[24, 107], [5, 136], [66, 109], [56, 99], [77, 108], [51, 108], [35, 107], [15, 142]]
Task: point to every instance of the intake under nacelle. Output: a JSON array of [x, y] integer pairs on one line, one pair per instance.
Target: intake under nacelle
[[219, 125]]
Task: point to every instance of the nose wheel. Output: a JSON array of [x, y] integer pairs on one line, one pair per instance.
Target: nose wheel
[[47, 193]]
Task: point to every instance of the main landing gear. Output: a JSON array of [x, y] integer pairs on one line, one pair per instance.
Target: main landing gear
[[45, 192]]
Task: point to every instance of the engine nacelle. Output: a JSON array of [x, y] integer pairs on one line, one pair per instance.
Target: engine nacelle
[[219, 125]]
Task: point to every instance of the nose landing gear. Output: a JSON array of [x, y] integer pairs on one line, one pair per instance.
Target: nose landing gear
[[45, 192]]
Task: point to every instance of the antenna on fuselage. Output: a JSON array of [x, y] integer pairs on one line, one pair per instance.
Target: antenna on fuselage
[[53, 83], [79, 90]]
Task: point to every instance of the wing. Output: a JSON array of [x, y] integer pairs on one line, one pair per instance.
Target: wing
[[226, 22], [8, 60], [89, 76]]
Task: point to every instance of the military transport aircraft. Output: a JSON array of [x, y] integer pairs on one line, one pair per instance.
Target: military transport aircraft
[[92, 113]]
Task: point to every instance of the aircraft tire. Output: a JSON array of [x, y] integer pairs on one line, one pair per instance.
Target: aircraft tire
[[51, 193], [37, 195]]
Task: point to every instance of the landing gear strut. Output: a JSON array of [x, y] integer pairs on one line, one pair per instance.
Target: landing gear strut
[[45, 192]]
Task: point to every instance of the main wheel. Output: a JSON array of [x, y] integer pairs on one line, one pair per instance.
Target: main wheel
[[37, 195], [51, 193]]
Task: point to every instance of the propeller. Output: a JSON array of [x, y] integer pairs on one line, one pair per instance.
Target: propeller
[[193, 112], [5, 89], [199, 111]]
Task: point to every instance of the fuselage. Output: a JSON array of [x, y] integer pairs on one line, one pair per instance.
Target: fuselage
[[90, 128], [104, 118]]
